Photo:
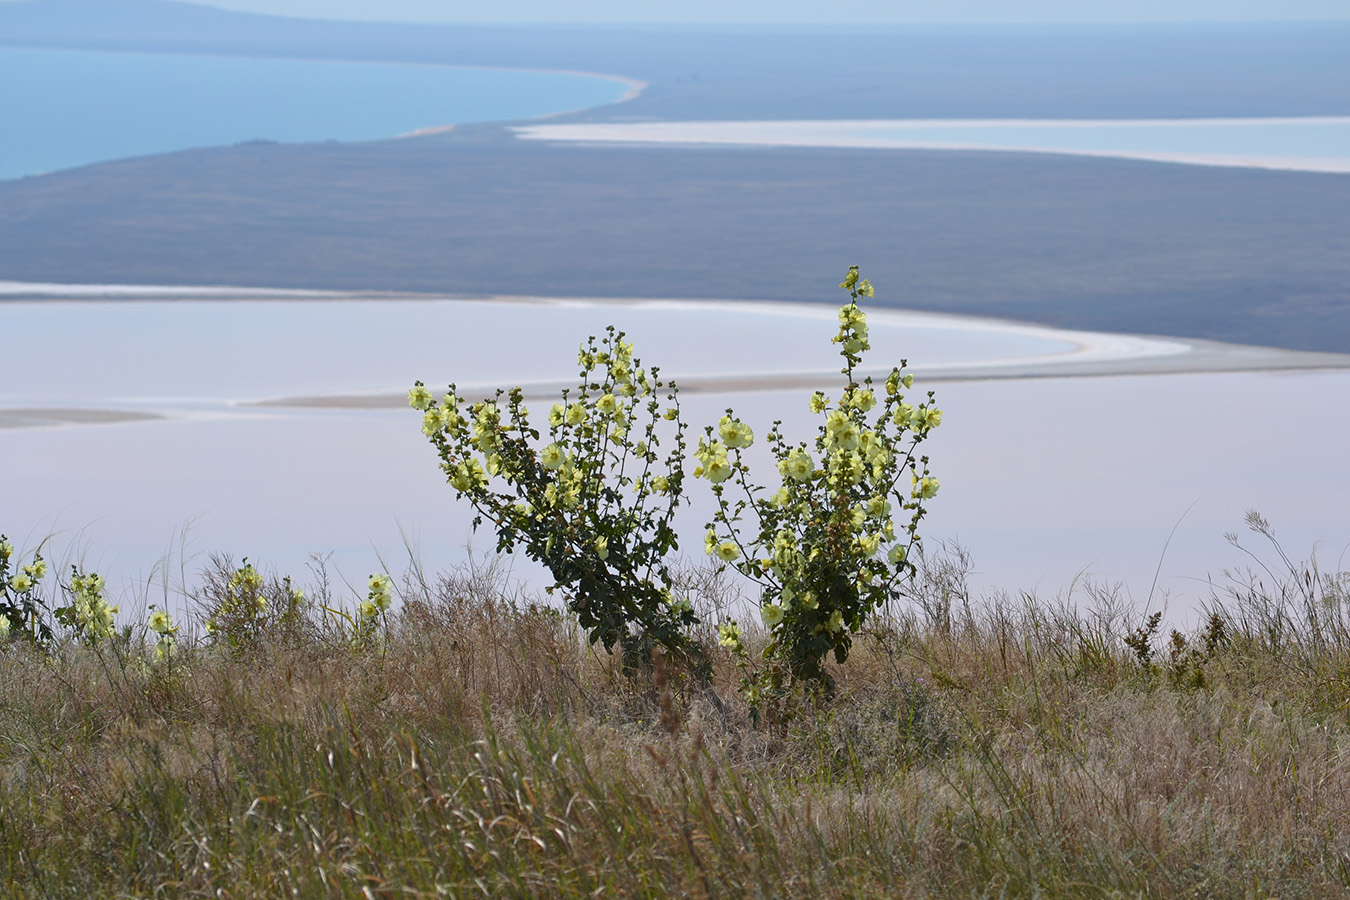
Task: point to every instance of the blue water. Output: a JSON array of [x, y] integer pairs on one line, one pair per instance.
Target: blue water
[[65, 108]]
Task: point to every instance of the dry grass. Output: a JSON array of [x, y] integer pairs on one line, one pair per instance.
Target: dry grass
[[1003, 749]]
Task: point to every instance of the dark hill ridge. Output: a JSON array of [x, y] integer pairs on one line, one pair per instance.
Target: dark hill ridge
[[1228, 254], [789, 73]]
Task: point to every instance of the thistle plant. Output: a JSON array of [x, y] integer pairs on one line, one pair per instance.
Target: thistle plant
[[824, 548], [594, 501]]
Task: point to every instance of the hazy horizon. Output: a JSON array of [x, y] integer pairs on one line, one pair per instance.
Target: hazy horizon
[[799, 12]]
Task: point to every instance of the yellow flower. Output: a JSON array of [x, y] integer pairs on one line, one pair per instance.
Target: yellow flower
[[607, 405], [729, 635], [6, 550], [602, 547], [798, 466], [381, 591], [367, 609], [661, 484], [878, 507], [841, 431], [932, 418], [869, 545], [772, 614], [555, 415], [862, 399], [4, 627], [846, 467], [419, 397], [874, 449], [160, 622], [897, 554], [21, 583], [780, 498], [468, 476], [431, 422], [709, 542], [717, 470], [925, 487], [818, 402], [726, 551], [680, 606], [552, 456], [735, 434], [904, 415], [576, 414], [836, 621]]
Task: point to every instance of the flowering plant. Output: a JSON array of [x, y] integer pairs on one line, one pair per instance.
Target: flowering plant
[[241, 606], [593, 502], [22, 610], [89, 614], [826, 551], [161, 623]]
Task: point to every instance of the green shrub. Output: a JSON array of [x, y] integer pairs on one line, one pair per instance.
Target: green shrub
[[594, 502], [823, 548]]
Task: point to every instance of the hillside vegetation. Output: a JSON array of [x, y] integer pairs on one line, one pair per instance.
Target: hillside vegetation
[[480, 747]]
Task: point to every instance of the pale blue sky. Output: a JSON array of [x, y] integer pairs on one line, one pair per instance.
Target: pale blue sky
[[897, 12]]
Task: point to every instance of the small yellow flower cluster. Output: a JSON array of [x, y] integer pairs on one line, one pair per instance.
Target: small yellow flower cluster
[[28, 577], [93, 615], [714, 464], [735, 433], [20, 604], [919, 419], [852, 336], [161, 623], [240, 613], [379, 598]]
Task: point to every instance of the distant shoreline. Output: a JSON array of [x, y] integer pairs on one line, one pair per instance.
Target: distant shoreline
[[1089, 354], [633, 89], [854, 134]]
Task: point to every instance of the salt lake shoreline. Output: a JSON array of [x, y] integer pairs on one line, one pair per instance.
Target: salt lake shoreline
[[1095, 354], [844, 134]]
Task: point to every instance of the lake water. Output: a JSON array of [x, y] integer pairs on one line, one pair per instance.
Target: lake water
[[184, 357], [1314, 144], [65, 108], [1046, 481]]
